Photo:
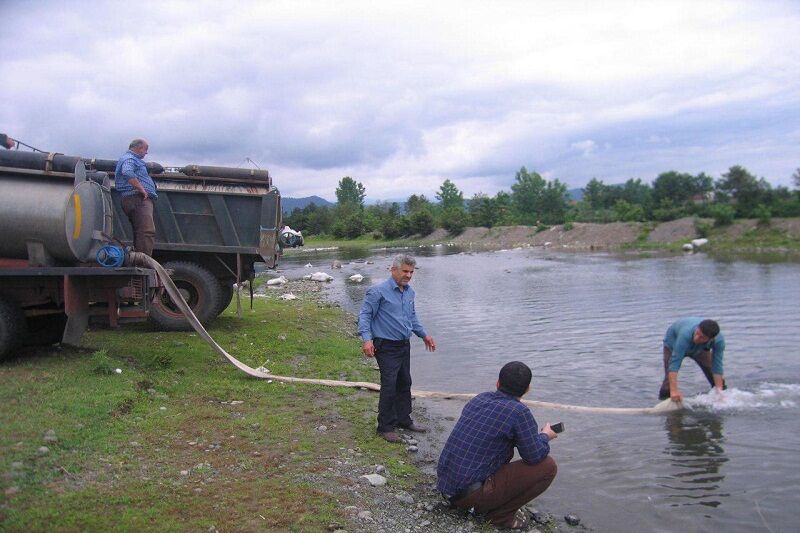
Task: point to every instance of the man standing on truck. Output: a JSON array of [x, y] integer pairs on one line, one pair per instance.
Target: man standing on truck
[[138, 192]]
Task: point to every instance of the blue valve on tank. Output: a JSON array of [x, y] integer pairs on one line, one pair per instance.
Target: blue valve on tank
[[110, 256]]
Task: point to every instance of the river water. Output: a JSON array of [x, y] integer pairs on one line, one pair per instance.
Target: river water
[[590, 327]]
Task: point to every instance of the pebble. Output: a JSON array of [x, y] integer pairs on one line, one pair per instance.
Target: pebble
[[50, 436], [237, 402], [162, 408], [43, 450], [376, 480], [322, 428], [413, 442], [133, 443], [365, 515], [184, 472], [380, 469], [405, 498], [540, 518], [572, 520], [412, 449]]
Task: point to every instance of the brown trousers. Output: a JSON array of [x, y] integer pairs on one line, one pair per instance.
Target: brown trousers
[[140, 213], [508, 489]]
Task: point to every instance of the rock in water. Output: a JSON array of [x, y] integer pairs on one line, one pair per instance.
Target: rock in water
[[358, 278], [572, 520]]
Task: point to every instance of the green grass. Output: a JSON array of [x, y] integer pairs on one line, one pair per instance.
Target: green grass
[[161, 446]]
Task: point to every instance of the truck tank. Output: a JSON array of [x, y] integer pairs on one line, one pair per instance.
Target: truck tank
[[52, 217]]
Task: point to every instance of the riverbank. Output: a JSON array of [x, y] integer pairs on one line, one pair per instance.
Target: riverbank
[[146, 430], [780, 235]]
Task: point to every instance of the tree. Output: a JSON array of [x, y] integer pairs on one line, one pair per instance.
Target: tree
[[527, 194], [745, 189], [537, 200], [796, 178], [350, 192], [449, 196], [415, 203], [504, 209], [482, 210]]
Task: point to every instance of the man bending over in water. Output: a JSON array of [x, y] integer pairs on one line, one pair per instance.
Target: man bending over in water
[[701, 341]]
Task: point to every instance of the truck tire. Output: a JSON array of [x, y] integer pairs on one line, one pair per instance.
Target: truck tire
[[12, 327], [226, 295], [200, 289]]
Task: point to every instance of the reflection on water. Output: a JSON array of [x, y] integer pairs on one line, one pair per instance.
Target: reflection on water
[[696, 452]]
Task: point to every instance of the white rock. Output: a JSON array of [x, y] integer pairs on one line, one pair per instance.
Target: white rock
[[118, 370], [44, 450], [376, 480], [288, 296], [321, 276], [277, 281], [308, 265], [365, 515], [263, 370], [307, 276], [687, 247], [358, 278], [697, 243]]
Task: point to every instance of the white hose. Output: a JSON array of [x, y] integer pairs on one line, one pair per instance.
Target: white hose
[[177, 298]]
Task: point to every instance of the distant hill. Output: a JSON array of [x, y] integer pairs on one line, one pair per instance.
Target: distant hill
[[576, 194], [290, 204]]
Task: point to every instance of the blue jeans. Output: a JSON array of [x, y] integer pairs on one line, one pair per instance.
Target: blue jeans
[[394, 403]]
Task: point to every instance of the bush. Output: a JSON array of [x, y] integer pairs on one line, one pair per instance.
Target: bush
[[454, 220], [722, 214], [763, 214], [568, 226], [702, 228]]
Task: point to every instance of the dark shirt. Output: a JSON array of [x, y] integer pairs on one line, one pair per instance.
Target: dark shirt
[[389, 313], [483, 440]]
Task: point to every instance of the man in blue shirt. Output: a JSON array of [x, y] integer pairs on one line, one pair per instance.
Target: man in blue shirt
[[699, 340], [475, 468], [385, 324], [138, 192]]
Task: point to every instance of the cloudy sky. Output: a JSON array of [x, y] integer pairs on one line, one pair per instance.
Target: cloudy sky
[[405, 95]]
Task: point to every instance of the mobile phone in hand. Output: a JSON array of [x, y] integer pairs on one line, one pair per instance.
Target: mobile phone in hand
[[557, 428]]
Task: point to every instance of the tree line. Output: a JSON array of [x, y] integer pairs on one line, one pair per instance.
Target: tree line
[[536, 201]]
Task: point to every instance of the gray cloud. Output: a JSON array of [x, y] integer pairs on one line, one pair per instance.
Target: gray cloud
[[402, 99]]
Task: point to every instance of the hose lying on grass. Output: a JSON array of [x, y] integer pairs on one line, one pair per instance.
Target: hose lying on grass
[[146, 261]]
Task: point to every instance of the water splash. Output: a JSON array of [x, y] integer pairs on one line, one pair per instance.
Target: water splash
[[766, 395]]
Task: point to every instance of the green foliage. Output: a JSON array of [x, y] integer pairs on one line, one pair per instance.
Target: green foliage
[[350, 192], [350, 226], [568, 226], [702, 228], [421, 222], [482, 210], [627, 212], [454, 220], [102, 363], [763, 214], [744, 189], [722, 214], [449, 196], [537, 200]]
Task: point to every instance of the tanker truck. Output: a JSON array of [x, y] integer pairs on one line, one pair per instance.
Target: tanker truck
[[213, 225]]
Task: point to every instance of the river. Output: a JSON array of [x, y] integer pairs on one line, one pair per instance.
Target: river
[[590, 327]]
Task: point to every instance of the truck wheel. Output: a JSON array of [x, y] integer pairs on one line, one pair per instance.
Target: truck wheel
[[226, 295], [199, 288], [12, 327]]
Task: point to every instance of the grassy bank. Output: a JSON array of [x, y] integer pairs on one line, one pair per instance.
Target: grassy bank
[[180, 440]]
